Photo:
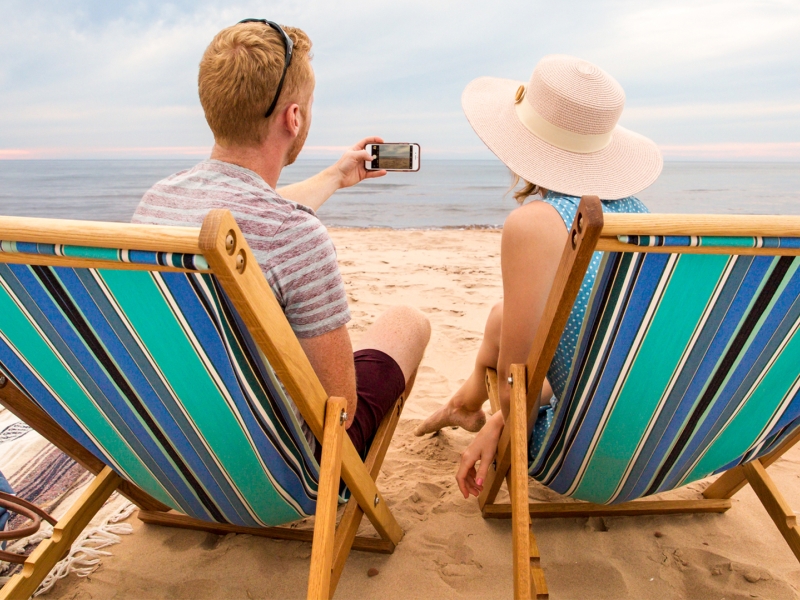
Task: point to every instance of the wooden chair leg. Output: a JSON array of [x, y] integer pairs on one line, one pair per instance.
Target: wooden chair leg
[[327, 499], [727, 484], [351, 519], [492, 389], [499, 470], [538, 581], [774, 502], [343, 541], [22, 585], [529, 581], [512, 465], [363, 489]]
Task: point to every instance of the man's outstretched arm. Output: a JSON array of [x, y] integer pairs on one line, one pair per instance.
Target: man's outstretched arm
[[331, 355], [348, 170]]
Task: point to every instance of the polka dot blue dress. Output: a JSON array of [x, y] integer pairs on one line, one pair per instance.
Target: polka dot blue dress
[[567, 207]]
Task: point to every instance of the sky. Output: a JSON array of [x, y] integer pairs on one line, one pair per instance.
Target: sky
[[705, 79]]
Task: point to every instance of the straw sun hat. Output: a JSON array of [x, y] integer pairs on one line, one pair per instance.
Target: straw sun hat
[[560, 130]]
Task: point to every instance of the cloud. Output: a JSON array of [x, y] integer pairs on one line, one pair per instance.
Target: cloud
[[691, 34], [107, 75]]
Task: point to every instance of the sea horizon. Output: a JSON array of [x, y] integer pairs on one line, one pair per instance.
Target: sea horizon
[[445, 193]]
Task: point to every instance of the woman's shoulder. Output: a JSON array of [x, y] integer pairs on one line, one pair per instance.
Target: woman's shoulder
[[631, 204], [544, 216], [566, 204], [531, 210], [537, 219]]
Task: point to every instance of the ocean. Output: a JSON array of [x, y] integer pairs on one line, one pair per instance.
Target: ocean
[[443, 194]]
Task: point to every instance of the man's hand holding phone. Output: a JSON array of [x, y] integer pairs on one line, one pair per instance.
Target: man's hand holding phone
[[351, 167], [356, 164], [371, 157]]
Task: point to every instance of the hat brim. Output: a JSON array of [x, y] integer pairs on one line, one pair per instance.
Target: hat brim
[[629, 163]]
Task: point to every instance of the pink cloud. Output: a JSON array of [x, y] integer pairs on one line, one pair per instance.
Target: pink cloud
[[325, 148], [12, 153], [105, 152], [138, 152]]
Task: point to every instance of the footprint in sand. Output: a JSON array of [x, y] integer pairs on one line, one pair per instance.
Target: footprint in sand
[[705, 574], [596, 524], [454, 559], [425, 496]]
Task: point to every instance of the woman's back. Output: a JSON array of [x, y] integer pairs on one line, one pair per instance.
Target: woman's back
[[567, 207]]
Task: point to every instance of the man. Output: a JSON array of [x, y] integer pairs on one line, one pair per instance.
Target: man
[[256, 87]]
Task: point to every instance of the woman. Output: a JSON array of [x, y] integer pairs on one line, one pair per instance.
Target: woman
[[560, 135]]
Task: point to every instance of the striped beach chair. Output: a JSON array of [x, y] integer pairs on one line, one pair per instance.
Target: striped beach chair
[[687, 365], [159, 359]]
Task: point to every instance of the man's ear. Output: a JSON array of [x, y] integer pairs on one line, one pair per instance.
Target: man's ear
[[292, 119]]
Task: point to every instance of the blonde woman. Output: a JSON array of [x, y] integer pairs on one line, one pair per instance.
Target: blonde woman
[[559, 134]]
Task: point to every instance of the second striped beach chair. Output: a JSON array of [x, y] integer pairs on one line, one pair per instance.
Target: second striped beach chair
[[159, 359], [687, 365]]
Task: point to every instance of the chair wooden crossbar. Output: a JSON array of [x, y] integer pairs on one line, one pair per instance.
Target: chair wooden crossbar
[[591, 231], [223, 246]]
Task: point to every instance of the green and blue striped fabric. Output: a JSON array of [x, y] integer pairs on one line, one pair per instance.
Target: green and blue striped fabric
[[195, 262], [155, 373], [712, 241], [686, 365]]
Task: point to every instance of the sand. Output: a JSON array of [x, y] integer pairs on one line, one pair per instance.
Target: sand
[[449, 551]]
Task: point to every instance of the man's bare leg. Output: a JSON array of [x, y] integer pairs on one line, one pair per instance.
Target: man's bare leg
[[464, 409], [403, 333]]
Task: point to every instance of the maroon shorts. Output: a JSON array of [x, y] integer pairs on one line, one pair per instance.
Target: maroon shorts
[[379, 382]]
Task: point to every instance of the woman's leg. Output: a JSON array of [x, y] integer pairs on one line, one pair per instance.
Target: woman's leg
[[464, 409]]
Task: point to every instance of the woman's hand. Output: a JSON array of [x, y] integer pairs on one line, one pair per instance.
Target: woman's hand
[[482, 449], [350, 168]]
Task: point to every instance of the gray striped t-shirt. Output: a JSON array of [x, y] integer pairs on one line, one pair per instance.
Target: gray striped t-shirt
[[290, 243]]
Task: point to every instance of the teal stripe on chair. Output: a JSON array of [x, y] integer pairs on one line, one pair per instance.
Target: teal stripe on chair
[[686, 365]]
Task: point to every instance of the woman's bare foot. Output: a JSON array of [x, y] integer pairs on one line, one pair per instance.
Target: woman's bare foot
[[449, 416]]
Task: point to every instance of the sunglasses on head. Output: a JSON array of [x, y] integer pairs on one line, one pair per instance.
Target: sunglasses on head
[[287, 42]]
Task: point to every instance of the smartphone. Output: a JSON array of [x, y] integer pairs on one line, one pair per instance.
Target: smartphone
[[393, 157]]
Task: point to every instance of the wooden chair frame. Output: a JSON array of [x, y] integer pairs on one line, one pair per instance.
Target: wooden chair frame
[[590, 231], [230, 259]]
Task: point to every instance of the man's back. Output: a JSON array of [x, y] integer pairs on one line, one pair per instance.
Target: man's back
[[290, 243], [260, 115]]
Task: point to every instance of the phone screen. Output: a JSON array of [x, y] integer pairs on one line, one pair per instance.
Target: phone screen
[[392, 156]]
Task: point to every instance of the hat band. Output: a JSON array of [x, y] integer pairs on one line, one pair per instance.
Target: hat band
[[558, 137]]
